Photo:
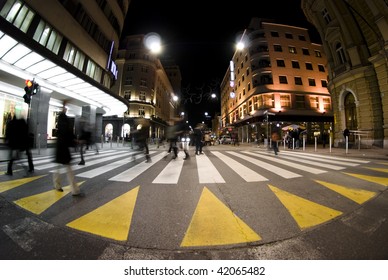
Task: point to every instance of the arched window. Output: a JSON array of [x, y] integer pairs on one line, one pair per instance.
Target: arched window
[[340, 53]]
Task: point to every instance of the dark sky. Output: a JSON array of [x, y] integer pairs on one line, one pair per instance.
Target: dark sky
[[201, 35]]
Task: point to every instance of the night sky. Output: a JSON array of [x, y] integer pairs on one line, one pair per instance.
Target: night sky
[[201, 37]]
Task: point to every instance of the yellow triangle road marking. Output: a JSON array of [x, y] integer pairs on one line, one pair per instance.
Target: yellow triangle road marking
[[359, 196], [306, 213], [111, 220], [378, 169], [8, 185], [40, 202], [213, 223], [378, 180]]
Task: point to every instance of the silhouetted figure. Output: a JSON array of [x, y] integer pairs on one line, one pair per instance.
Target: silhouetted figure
[[17, 138], [141, 137], [65, 140], [275, 138], [198, 137]]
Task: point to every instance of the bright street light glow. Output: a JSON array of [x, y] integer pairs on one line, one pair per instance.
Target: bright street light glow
[[153, 42]]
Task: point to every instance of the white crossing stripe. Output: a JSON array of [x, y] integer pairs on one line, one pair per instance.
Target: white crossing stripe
[[105, 168], [290, 164], [246, 173], [63, 170], [270, 167], [316, 162], [170, 174], [331, 158], [207, 172], [133, 172]]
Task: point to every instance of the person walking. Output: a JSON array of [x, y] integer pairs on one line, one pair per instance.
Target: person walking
[[198, 135], [142, 136], [17, 138], [275, 138], [65, 140]]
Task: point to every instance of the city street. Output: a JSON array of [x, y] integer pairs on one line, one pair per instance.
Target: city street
[[231, 202]]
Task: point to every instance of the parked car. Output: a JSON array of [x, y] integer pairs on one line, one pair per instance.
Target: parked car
[[225, 139]]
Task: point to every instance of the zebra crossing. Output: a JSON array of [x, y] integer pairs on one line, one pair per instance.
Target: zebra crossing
[[209, 212], [246, 164]]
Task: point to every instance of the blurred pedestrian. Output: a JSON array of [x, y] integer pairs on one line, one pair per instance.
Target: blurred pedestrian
[[198, 138], [17, 138], [65, 140], [275, 137], [142, 136]]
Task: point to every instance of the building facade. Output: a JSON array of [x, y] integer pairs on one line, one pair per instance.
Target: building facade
[[148, 86], [278, 78], [68, 48], [355, 35]]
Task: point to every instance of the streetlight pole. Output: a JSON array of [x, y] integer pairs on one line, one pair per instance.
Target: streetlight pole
[[267, 119]]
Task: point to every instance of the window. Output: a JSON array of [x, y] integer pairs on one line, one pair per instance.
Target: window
[[340, 53], [47, 37], [277, 48], [299, 102], [128, 81], [274, 34], [143, 83], [142, 96], [289, 36], [280, 63], [285, 101], [318, 53], [283, 79], [314, 103], [268, 100], [144, 69], [130, 67], [141, 111], [127, 94], [298, 81], [324, 83], [326, 16], [305, 51], [312, 82], [309, 66], [326, 103], [302, 37], [321, 68], [291, 49], [295, 64]]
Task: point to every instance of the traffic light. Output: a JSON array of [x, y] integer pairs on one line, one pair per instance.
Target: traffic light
[[35, 88], [28, 91]]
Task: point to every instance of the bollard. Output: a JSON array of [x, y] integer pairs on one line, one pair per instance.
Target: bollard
[[304, 143], [102, 141], [38, 143], [346, 144], [315, 143], [118, 141], [330, 144], [293, 143]]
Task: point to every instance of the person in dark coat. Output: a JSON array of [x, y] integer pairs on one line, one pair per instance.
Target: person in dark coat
[[65, 140], [142, 136], [17, 138]]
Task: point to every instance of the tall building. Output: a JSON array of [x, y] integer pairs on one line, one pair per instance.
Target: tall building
[[355, 35], [278, 78], [68, 48], [150, 89]]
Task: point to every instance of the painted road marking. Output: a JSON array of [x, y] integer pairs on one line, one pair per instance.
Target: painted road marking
[[38, 203], [133, 172], [213, 223], [111, 220], [108, 167], [8, 185], [374, 179], [290, 164], [246, 173], [270, 167], [357, 195], [171, 173], [305, 212], [207, 172]]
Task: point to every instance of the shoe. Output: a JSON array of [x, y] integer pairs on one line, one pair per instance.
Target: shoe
[[59, 189], [7, 173], [81, 162]]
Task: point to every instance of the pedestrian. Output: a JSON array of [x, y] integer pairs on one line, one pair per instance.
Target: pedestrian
[[65, 140], [324, 139], [142, 136], [275, 138], [198, 135], [17, 138]]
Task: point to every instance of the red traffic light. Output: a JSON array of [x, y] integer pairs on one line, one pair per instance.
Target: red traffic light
[[29, 83]]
